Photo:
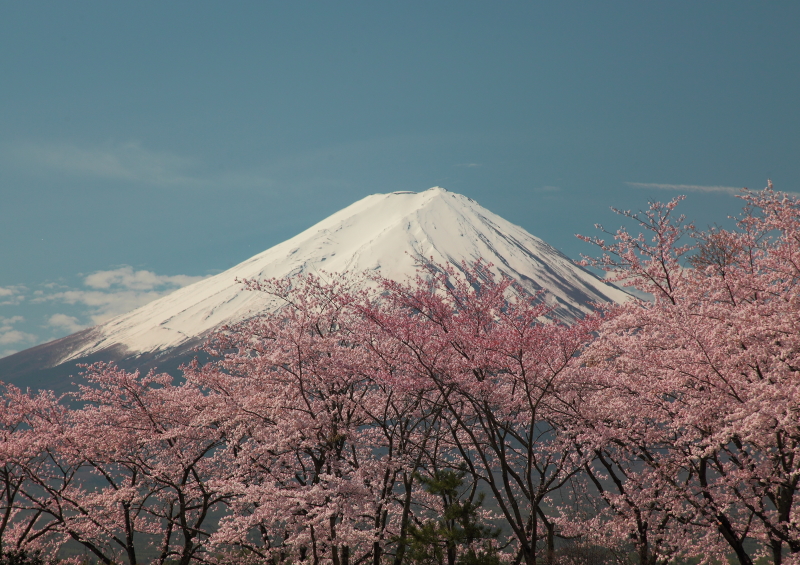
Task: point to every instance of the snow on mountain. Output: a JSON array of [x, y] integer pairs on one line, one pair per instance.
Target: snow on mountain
[[382, 232]]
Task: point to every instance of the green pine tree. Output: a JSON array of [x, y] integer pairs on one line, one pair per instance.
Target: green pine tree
[[449, 539]]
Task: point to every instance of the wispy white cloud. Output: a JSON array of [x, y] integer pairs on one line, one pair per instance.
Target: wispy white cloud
[[128, 161], [11, 295], [103, 306], [64, 322], [687, 187], [547, 188], [126, 277], [11, 320], [112, 292], [10, 336], [101, 296], [469, 165]]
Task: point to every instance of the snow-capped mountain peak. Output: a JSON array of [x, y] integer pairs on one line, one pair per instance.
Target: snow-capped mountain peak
[[382, 232]]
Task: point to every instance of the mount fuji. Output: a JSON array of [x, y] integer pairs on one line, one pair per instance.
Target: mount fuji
[[387, 233]]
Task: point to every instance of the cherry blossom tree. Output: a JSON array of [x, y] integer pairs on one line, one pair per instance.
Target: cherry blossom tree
[[160, 457], [700, 385], [23, 527], [133, 462], [506, 379], [319, 443]]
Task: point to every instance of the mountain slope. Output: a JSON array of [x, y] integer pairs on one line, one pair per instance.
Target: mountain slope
[[382, 232]]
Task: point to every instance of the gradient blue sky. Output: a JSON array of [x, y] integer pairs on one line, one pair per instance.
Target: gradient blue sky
[[143, 144]]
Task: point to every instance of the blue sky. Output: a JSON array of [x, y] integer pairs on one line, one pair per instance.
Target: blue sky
[[145, 144]]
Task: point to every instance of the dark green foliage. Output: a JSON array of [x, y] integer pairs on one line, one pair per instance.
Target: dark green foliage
[[21, 557], [450, 538], [487, 555]]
